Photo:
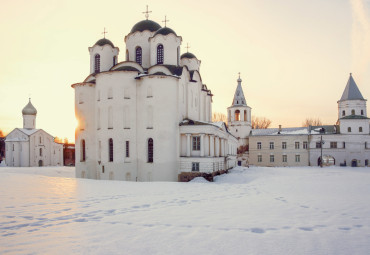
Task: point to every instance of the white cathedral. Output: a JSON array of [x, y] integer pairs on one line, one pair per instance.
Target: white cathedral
[[29, 146], [148, 118]]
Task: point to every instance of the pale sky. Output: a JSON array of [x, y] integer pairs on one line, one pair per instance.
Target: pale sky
[[294, 56]]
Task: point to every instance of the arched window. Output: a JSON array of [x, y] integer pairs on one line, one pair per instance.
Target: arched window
[[349, 129], [97, 63], [245, 115], [110, 150], [127, 56], [40, 152], [237, 115], [160, 54], [150, 150], [343, 113], [83, 150], [138, 56], [353, 112]]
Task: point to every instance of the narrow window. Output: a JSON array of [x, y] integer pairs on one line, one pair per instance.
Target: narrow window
[[195, 166], [296, 145], [259, 145], [127, 56], [366, 162], [285, 158], [283, 145], [272, 145], [110, 117], [138, 56], [297, 158], [13, 146], [362, 112], [83, 150], [343, 113], [305, 145], [114, 60], [237, 115], [150, 150], [353, 112], [344, 145], [360, 129], [349, 130], [333, 145], [110, 93], [40, 140], [97, 63], [365, 145], [40, 152], [110, 150], [196, 143], [245, 115], [259, 158], [127, 149], [160, 55], [272, 158]]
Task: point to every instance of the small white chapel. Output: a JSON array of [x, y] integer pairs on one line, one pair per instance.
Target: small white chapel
[[29, 146]]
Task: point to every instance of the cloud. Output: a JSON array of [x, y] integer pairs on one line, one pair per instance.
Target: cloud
[[360, 37]]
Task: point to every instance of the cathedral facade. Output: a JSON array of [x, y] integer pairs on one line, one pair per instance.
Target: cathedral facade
[[147, 118], [29, 146]]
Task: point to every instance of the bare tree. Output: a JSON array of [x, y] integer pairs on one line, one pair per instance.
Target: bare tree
[[260, 122], [311, 122], [217, 116]]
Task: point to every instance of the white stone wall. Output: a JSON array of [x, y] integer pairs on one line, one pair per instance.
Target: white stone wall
[[170, 42], [29, 121], [348, 105], [139, 39], [192, 63], [355, 125]]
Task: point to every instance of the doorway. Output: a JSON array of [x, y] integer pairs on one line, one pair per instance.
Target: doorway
[[40, 162]]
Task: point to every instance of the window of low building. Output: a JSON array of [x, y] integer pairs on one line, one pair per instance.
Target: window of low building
[[271, 145], [297, 158], [305, 145], [285, 158], [272, 158], [283, 145], [259, 145], [296, 145], [259, 158], [196, 143], [333, 145], [195, 166]]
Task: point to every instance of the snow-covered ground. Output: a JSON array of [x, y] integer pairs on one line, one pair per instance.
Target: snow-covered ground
[[248, 211]]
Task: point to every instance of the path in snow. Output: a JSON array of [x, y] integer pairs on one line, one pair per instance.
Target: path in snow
[[249, 211]]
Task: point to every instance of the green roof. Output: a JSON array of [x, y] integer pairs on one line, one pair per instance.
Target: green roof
[[188, 55], [165, 31], [103, 42], [126, 68], [352, 117], [145, 25]]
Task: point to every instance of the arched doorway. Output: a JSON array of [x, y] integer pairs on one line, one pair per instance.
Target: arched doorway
[[354, 163], [40, 162]]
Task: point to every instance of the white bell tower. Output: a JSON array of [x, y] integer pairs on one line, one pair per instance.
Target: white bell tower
[[29, 116], [239, 115]]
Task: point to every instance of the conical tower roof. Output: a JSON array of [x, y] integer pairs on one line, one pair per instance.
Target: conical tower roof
[[29, 109], [239, 98], [351, 92]]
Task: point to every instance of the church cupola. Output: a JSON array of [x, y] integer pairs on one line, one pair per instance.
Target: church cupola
[[239, 114], [190, 60], [103, 55], [29, 113], [165, 47]]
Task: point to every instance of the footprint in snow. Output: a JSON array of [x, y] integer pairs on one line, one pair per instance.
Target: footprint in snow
[[258, 230], [306, 228]]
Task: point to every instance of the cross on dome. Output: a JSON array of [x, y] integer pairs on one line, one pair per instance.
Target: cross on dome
[[104, 32], [187, 47], [165, 21], [147, 12]]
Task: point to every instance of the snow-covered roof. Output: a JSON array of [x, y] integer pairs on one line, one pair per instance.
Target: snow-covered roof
[[351, 92], [28, 131], [284, 131]]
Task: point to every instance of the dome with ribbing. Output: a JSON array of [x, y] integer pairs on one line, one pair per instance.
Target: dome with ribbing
[[103, 42], [188, 55], [145, 25], [165, 31], [29, 109]]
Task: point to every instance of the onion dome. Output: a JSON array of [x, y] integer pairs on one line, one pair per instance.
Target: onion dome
[[188, 55], [29, 109], [103, 42], [145, 25], [165, 31]]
